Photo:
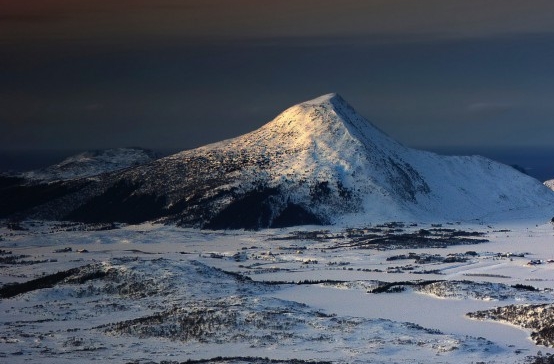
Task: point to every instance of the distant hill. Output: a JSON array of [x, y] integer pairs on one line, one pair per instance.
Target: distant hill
[[92, 163]]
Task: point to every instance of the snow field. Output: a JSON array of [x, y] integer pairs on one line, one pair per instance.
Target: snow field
[[160, 282]]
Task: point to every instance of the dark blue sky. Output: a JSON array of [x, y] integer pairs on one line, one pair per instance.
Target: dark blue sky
[[177, 74]]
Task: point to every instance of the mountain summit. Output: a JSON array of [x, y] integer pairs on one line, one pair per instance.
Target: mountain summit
[[318, 162]]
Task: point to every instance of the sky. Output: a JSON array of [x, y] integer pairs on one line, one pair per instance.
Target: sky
[[177, 74]]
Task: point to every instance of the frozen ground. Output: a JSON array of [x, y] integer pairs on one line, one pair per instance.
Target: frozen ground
[[392, 293]]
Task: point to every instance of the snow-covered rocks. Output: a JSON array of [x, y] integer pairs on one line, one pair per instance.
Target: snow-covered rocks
[[539, 318]]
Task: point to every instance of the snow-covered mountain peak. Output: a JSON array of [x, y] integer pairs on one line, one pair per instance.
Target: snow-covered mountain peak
[[325, 99], [331, 100], [317, 162], [326, 125], [317, 113], [317, 153]]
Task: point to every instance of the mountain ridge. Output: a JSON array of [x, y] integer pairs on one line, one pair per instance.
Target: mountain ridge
[[318, 162], [91, 163]]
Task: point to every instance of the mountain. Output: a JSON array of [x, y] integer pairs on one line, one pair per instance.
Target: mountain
[[92, 163], [318, 162], [550, 184]]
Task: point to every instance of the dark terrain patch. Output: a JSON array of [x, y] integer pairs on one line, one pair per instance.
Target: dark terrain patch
[[392, 236], [240, 360], [17, 197], [251, 211], [294, 215], [120, 203], [11, 290]]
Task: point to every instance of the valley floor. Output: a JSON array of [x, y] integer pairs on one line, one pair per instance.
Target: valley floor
[[390, 293]]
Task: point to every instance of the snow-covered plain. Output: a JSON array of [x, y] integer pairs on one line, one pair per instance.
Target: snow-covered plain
[[153, 293]]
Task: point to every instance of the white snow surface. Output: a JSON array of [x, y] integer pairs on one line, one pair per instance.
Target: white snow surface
[[326, 140], [550, 184], [92, 163], [172, 294]]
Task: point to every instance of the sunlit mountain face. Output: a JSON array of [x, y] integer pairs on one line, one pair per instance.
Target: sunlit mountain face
[[318, 162]]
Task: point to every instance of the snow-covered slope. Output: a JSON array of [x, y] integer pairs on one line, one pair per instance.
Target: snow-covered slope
[[550, 184], [318, 162], [92, 163]]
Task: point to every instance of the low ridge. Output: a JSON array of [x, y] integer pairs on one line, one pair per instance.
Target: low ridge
[[92, 163]]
